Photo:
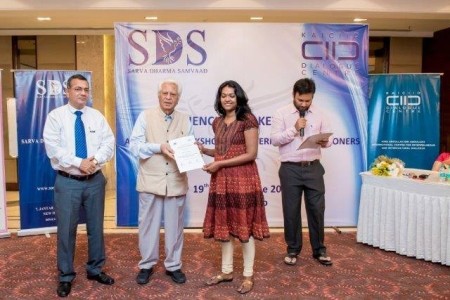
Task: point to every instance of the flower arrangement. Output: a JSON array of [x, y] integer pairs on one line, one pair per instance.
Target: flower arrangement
[[385, 166]]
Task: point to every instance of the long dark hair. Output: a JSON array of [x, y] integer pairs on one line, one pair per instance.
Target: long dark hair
[[241, 98]]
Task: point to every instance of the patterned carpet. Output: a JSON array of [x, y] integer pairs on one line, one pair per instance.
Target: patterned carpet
[[28, 271]]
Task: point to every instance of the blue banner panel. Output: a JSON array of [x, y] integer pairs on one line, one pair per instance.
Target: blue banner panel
[[404, 118], [37, 93]]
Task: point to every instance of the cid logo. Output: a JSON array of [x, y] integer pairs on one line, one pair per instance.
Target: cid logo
[[167, 47], [325, 50], [403, 100]]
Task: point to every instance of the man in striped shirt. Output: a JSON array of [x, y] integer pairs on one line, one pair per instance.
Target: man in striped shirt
[[301, 170]]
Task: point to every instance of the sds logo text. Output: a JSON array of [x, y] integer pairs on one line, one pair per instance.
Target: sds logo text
[[164, 49], [48, 88]]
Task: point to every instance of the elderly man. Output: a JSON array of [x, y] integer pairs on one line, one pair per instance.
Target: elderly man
[[162, 188]]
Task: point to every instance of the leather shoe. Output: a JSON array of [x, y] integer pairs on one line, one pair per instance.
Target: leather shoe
[[143, 276], [64, 288], [102, 278], [177, 276]]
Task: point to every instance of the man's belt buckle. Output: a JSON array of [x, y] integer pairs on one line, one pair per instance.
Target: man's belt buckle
[[306, 163], [77, 177]]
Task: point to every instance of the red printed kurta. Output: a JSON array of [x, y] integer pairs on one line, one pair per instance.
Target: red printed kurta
[[235, 202]]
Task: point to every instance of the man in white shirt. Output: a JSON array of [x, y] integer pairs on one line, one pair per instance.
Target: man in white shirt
[[79, 141]]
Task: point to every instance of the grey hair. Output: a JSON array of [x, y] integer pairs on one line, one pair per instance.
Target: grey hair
[[170, 81]]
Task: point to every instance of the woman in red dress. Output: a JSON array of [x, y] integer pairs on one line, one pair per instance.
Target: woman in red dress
[[235, 203]]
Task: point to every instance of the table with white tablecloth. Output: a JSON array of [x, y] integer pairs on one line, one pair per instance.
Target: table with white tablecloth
[[405, 215]]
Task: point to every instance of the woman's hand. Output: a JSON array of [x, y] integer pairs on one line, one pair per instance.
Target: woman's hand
[[212, 167], [201, 147], [204, 150]]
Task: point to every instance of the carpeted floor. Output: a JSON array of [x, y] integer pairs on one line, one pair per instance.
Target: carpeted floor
[[28, 271]]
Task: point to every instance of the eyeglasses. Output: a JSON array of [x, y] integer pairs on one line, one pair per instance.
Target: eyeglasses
[[80, 89]]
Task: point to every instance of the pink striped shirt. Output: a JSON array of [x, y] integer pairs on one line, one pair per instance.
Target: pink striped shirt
[[287, 138]]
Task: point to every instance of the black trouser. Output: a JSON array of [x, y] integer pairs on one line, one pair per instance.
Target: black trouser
[[295, 179]]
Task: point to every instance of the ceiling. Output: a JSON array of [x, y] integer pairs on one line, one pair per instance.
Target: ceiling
[[385, 17]]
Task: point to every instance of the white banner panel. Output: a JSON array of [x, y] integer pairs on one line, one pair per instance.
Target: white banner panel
[[12, 127], [3, 217], [266, 59]]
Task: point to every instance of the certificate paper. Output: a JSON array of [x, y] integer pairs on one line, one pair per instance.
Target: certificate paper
[[311, 141], [187, 155]]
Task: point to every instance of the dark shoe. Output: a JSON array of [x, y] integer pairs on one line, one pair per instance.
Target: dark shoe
[[102, 278], [143, 276], [64, 288], [323, 259], [177, 276]]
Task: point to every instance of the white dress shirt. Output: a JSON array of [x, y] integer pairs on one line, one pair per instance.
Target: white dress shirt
[[59, 138], [139, 147]]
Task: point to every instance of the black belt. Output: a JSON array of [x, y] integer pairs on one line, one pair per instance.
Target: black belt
[[302, 163], [78, 177]]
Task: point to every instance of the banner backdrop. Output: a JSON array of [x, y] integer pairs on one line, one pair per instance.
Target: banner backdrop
[[404, 118], [37, 93], [3, 217], [266, 59]]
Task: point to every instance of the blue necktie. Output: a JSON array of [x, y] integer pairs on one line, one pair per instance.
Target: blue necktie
[[80, 137]]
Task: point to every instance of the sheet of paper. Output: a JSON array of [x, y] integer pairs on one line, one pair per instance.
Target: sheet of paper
[[187, 155], [311, 141]]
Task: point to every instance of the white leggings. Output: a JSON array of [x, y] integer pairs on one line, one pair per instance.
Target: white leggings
[[248, 253]]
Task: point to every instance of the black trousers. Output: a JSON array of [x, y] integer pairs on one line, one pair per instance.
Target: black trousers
[[296, 179]]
